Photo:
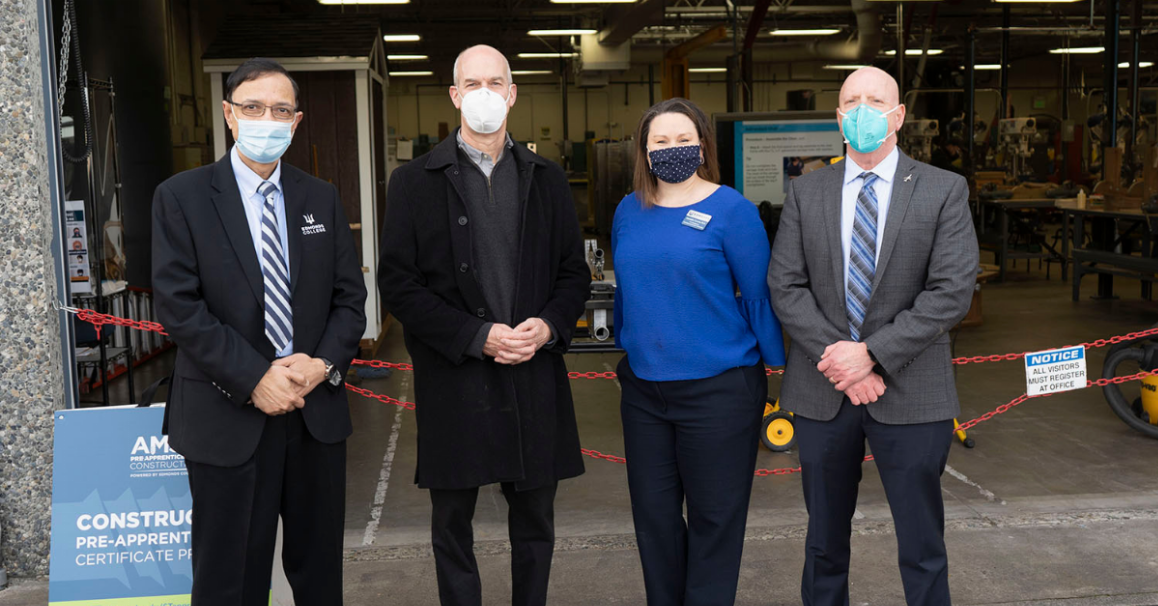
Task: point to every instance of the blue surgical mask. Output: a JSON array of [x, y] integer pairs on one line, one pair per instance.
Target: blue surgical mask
[[866, 128], [263, 141], [675, 164]]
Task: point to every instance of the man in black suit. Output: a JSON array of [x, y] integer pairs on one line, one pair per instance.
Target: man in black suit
[[257, 280]]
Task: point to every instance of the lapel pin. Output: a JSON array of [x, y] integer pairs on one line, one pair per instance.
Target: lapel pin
[[908, 178]]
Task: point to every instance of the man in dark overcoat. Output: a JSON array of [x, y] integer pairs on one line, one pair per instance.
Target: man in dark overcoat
[[483, 264]]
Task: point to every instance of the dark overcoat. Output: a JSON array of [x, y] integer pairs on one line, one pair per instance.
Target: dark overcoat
[[480, 422]]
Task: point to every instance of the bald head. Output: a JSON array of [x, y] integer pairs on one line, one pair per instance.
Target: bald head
[[870, 85], [481, 63], [874, 88]]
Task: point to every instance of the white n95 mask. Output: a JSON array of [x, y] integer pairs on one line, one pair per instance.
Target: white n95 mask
[[484, 110]]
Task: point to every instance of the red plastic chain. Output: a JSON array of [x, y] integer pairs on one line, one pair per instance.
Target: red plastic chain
[[381, 398], [1091, 345], [784, 471], [595, 454], [98, 320], [1004, 408], [381, 364]]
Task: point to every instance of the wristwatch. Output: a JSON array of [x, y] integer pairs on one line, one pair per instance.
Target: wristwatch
[[333, 377]]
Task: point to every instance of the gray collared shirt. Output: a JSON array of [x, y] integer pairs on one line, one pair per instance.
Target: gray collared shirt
[[482, 160]]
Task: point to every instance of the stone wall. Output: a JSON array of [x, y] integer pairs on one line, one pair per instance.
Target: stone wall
[[31, 382]]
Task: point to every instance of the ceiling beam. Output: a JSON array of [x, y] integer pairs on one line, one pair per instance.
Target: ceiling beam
[[624, 22]]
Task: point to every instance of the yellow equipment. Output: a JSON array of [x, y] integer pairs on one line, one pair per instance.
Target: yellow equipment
[[778, 432], [1140, 413], [1148, 404]]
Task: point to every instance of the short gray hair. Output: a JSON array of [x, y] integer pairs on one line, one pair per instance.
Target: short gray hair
[[510, 80]]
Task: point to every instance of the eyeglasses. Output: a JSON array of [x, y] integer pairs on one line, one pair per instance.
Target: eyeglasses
[[281, 113]]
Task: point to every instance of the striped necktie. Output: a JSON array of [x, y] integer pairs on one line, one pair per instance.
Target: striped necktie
[[279, 318], [862, 259]]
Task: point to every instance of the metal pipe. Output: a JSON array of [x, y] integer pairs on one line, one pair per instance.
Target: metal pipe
[[864, 48], [586, 114], [1135, 99], [901, 47], [566, 116], [650, 84], [1065, 98], [1111, 86], [54, 167], [926, 42], [1030, 29], [1004, 113], [970, 99]]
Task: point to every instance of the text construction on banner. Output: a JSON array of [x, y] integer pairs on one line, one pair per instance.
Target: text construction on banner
[[121, 511], [1055, 370]]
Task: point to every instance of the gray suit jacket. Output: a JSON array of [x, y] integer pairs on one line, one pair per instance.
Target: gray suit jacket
[[924, 282]]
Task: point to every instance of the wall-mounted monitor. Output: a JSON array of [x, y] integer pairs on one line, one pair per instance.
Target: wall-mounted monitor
[[760, 153]]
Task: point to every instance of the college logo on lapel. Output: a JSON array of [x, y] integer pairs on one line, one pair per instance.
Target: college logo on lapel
[[311, 228]]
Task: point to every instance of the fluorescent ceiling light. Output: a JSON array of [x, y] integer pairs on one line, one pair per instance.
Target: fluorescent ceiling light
[[844, 67], [1036, 1], [411, 73], [592, 1], [1141, 64], [407, 57], [547, 55], [402, 38], [914, 52], [708, 70], [352, 2], [804, 32], [1078, 50], [532, 72], [981, 67], [562, 32]]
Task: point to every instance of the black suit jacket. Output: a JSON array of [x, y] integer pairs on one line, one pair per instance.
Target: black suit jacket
[[208, 293], [480, 422]]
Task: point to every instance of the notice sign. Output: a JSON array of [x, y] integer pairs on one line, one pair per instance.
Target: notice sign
[[121, 511], [1055, 370]]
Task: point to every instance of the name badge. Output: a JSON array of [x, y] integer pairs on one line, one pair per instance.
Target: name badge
[[697, 220]]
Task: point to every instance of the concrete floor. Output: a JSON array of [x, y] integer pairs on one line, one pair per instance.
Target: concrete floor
[[1057, 504]]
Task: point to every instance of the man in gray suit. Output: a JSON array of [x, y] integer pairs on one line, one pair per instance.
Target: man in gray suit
[[873, 264]]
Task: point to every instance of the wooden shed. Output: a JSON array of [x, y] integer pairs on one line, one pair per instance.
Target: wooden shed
[[339, 64]]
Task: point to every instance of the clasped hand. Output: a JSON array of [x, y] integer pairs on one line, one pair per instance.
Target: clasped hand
[[848, 366], [519, 344], [286, 384]]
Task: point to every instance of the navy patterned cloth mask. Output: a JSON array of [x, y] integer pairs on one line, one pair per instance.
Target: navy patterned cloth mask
[[675, 164]]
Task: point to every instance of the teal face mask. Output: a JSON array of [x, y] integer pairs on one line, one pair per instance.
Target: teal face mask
[[866, 128]]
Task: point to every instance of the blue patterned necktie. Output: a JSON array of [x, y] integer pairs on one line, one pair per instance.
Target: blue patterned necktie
[[862, 259], [279, 318]]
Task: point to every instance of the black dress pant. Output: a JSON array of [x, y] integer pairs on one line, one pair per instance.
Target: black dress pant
[[696, 441], [531, 525], [235, 515], [910, 459]]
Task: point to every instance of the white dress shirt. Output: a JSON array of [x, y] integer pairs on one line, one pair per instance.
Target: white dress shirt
[[886, 172], [248, 183]]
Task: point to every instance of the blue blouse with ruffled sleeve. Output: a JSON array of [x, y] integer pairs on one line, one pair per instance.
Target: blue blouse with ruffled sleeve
[[677, 313]]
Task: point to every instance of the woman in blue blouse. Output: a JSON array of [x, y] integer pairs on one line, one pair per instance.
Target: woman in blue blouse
[[693, 379]]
